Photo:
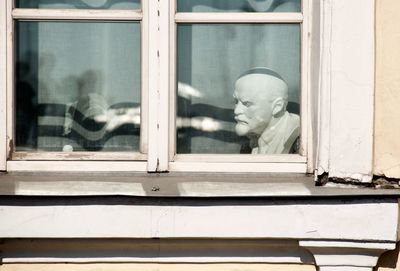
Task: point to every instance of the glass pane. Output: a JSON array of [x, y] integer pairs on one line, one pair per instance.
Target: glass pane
[[79, 4], [238, 88], [239, 5], [77, 86]]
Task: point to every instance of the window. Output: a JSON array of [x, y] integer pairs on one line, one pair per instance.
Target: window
[[78, 90], [182, 85], [241, 85]]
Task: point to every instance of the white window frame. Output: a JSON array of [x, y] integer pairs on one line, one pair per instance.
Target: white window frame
[[159, 21], [3, 86], [290, 163], [76, 161], [335, 52]]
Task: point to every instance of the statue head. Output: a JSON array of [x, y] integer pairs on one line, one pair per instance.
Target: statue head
[[261, 96]]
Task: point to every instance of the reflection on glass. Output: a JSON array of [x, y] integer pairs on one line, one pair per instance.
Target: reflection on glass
[[238, 88], [239, 6], [77, 86], [79, 4]]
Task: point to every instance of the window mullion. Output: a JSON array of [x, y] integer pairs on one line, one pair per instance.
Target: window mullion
[[158, 76], [144, 100], [306, 144], [10, 116], [3, 84]]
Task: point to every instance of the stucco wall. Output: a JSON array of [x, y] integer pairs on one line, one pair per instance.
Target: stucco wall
[[387, 99]]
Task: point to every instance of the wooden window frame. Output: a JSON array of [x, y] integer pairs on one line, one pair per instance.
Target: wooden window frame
[[289, 163], [159, 20], [76, 161]]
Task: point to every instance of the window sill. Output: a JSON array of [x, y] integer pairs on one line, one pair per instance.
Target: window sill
[[207, 185]]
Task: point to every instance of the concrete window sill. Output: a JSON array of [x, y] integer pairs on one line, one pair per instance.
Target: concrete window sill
[[174, 185]]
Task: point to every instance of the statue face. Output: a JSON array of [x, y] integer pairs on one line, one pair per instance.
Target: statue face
[[253, 108]]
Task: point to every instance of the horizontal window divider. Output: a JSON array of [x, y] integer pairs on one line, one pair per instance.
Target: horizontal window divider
[[75, 14], [78, 156], [246, 17], [240, 158], [76, 166], [238, 167]]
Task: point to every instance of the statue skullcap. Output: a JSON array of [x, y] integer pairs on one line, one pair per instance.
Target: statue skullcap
[[262, 70]]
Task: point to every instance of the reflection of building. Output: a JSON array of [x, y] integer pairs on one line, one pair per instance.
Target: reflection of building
[[238, 48], [226, 222], [243, 47]]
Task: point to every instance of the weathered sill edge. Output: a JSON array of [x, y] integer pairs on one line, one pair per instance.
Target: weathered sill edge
[[203, 185]]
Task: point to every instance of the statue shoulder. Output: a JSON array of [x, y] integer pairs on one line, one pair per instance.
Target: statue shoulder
[[294, 120]]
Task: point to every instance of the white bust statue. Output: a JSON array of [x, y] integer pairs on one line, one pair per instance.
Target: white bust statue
[[260, 112]]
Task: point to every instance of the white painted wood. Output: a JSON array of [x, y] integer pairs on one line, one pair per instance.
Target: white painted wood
[[78, 156], [314, 22], [324, 101], [77, 14], [10, 79], [346, 131], [238, 167], [3, 85], [164, 91], [75, 166], [173, 81], [242, 17], [291, 219], [306, 131], [153, 86], [243, 158], [144, 99], [158, 85]]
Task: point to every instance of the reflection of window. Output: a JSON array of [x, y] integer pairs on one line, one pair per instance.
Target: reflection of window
[[81, 77], [78, 79], [238, 48], [182, 84], [240, 83]]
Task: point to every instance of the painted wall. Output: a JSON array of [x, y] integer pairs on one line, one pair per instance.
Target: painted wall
[[388, 262], [155, 267], [387, 99], [386, 159]]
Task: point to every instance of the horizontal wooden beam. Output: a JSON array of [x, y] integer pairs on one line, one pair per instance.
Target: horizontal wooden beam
[[243, 17], [76, 14]]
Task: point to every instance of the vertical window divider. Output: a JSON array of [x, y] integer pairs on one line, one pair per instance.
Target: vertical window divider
[[144, 94], [173, 80], [305, 95], [308, 122], [10, 118], [3, 85], [158, 76]]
